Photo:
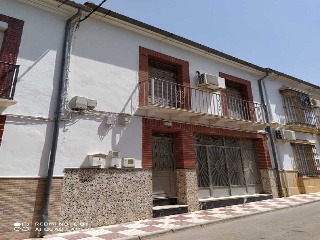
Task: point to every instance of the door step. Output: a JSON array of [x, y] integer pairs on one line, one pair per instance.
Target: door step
[[166, 210], [228, 201], [162, 201]]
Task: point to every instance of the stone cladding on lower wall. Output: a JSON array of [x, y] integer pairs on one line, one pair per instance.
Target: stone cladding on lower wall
[[269, 182], [187, 188], [100, 197]]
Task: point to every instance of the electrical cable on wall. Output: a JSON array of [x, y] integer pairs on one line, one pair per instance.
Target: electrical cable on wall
[[95, 9]]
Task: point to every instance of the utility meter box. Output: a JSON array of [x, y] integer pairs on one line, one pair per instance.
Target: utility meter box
[[128, 162], [97, 160], [115, 163]]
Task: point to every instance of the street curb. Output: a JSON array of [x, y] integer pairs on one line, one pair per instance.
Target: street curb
[[182, 228]]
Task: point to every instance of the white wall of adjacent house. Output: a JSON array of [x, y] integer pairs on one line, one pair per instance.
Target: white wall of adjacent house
[[285, 150], [26, 143]]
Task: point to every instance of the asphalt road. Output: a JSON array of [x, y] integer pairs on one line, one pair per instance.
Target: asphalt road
[[297, 223]]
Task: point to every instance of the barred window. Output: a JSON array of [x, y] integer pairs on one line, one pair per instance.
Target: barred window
[[307, 159], [297, 108]]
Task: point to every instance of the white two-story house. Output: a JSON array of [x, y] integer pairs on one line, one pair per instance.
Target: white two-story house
[[105, 119]]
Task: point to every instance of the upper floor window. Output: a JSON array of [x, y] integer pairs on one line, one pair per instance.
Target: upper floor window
[[163, 87], [307, 160], [297, 107]]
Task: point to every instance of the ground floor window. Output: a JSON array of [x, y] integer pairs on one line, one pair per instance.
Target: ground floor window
[[226, 166], [307, 159]]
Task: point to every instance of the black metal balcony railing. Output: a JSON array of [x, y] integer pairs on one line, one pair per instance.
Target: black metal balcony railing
[[8, 79], [298, 109], [167, 94]]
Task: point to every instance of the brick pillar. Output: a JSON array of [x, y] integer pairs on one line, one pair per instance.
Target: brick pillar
[[262, 152], [146, 144], [184, 146]]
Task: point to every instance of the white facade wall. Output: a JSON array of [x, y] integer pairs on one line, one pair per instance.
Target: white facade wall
[[104, 66], [26, 143], [285, 150]]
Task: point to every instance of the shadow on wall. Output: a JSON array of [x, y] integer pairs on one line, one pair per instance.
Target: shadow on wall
[[132, 101]]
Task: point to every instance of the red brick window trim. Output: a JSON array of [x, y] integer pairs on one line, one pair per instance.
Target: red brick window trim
[[246, 91], [2, 123], [11, 39], [9, 50], [182, 71]]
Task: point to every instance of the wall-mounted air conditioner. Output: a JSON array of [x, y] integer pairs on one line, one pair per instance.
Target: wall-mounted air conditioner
[[314, 102], [282, 134], [210, 81]]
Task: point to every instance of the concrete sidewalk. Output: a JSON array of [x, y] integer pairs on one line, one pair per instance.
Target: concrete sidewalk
[[144, 228]]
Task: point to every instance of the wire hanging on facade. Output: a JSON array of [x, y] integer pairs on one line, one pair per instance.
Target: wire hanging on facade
[[96, 8]]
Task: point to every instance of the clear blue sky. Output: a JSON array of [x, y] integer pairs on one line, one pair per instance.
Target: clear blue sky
[[280, 34]]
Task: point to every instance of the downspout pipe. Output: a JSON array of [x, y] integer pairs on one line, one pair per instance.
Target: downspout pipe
[[269, 132], [57, 119]]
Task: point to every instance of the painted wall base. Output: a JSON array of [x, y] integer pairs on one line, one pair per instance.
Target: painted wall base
[[269, 183], [187, 188], [290, 185], [309, 184], [101, 197]]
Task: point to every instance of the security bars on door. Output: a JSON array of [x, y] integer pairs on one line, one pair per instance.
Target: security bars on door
[[162, 93], [225, 162], [307, 159]]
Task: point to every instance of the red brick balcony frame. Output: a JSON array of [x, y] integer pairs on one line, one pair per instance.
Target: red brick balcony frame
[[183, 72], [246, 91], [11, 39]]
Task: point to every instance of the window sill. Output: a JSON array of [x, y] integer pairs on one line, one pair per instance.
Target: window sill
[[6, 102]]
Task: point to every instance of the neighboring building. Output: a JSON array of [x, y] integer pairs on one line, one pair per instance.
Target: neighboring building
[[145, 115], [295, 117]]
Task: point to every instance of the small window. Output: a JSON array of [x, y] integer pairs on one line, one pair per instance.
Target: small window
[[307, 160]]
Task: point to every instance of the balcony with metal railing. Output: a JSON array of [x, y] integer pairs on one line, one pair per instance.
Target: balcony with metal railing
[[300, 115], [163, 97], [8, 79]]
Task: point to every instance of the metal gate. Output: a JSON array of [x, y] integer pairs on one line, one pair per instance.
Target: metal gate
[[163, 165], [226, 166]]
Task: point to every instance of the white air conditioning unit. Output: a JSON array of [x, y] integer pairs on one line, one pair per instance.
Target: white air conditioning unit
[[212, 82], [128, 162], [282, 134], [314, 102]]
